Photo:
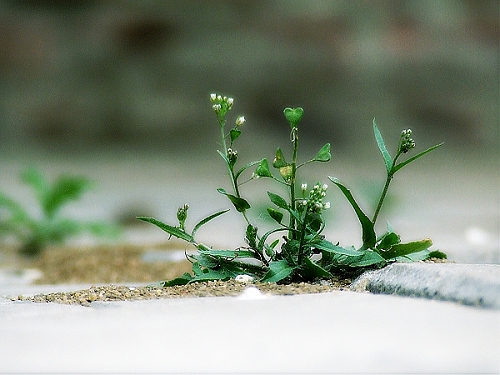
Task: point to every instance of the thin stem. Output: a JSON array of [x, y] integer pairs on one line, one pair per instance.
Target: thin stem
[[295, 139], [390, 175]]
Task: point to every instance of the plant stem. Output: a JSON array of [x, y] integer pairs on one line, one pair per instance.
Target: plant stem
[[390, 175], [295, 139]]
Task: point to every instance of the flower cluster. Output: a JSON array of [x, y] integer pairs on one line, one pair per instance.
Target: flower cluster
[[221, 104], [315, 200], [406, 142]]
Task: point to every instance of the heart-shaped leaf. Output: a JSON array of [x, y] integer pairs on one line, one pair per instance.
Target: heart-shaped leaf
[[279, 159], [275, 214], [324, 154], [293, 115], [263, 169]]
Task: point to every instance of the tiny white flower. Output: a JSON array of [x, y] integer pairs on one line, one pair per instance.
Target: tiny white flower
[[213, 97], [304, 186], [216, 107], [240, 120], [219, 98], [326, 206], [325, 186], [229, 101]]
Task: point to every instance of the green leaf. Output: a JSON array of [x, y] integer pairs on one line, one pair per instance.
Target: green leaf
[[404, 249], [311, 271], [275, 214], [173, 231], [369, 237], [397, 167], [234, 133], [324, 154], [279, 159], [206, 220], [381, 146], [65, 188], [325, 245], [231, 254], [182, 280], [35, 179], [278, 270], [239, 203], [388, 240], [245, 167], [293, 115], [278, 201], [437, 254], [369, 258], [263, 169]]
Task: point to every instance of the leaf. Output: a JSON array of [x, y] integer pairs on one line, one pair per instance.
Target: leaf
[[231, 254], [278, 270], [181, 280], [239, 203], [275, 214], [173, 231], [293, 115], [279, 159], [369, 237], [245, 167], [403, 249], [381, 146], [234, 133], [388, 240], [35, 179], [263, 169], [206, 220], [437, 254], [369, 258], [311, 271], [65, 188], [325, 245], [278, 201], [397, 167], [324, 154]]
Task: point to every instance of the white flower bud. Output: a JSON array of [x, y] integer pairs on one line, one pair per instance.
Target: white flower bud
[[240, 120]]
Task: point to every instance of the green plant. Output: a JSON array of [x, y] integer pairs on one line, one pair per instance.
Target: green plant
[[36, 233], [303, 253]]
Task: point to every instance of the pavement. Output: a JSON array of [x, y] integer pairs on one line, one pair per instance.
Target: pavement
[[450, 324]]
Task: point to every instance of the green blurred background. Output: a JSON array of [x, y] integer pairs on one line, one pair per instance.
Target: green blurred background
[[119, 90]]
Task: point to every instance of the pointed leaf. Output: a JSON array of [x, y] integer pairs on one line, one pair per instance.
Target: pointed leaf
[[369, 258], [206, 220], [397, 167], [381, 146], [311, 271], [275, 214], [277, 200], [239, 203], [279, 159], [181, 280], [404, 249], [369, 237], [234, 133], [325, 245], [263, 169], [278, 271], [173, 231], [324, 154], [245, 167]]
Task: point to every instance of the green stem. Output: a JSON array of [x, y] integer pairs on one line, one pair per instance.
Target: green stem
[[295, 138], [390, 175]]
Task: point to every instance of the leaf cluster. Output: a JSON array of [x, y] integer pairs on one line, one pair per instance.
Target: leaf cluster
[[35, 233]]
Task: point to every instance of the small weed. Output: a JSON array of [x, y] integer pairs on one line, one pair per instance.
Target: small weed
[[302, 253], [37, 233]]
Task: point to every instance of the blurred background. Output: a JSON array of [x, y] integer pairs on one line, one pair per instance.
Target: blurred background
[[119, 91]]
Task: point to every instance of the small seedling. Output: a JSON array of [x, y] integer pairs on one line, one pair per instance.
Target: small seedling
[[34, 233], [302, 253]]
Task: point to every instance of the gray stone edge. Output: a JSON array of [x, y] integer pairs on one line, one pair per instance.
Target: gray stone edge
[[468, 284]]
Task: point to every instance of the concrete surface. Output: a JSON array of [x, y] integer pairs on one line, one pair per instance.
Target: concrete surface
[[342, 332]]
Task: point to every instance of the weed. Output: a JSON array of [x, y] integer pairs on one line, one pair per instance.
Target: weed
[[302, 253], [37, 233]]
